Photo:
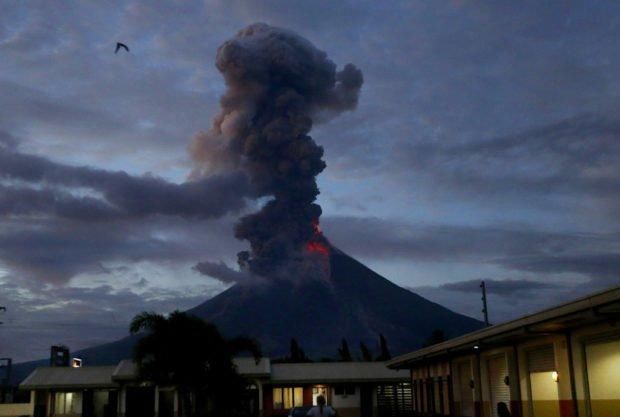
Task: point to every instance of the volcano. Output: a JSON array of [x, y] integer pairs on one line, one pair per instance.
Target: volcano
[[356, 304]]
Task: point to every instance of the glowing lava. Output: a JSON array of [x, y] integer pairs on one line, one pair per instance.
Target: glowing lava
[[317, 244], [317, 247]]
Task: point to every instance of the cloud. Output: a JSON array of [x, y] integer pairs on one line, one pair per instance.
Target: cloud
[[509, 287], [502, 306], [40, 186], [44, 251], [602, 267], [513, 249], [397, 239], [436, 85], [81, 317], [577, 159], [223, 273]]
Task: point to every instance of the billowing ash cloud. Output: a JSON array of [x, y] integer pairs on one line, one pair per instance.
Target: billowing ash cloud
[[277, 84], [223, 273]]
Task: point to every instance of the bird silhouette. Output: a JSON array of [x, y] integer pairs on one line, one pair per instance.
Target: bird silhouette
[[119, 46]]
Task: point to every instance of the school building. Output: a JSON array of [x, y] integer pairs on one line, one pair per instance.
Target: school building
[[355, 389], [560, 362]]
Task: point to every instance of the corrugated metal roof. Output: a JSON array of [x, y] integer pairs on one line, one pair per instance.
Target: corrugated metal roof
[[335, 372], [126, 370], [573, 314], [249, 367], [67, 378], [109, 376]]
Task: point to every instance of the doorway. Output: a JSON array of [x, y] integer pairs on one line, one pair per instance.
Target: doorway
[[497, 369], [603, 378], [543, 386], [320, 390]]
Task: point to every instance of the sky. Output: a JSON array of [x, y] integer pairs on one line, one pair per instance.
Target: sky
[[485, 146]]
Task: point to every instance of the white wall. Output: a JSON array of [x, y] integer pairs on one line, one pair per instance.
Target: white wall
[[349, 401], [15, 410]]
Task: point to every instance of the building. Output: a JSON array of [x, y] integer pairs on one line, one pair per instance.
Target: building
[[355, 389], [560, 362]]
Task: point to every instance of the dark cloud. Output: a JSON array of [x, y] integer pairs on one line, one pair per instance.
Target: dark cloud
[[509, 287], [575, 159], [502, 306], [395, 239], [122, 195], [70, 315], [602, 267], [513, 249], [54, 251], [450, 88]]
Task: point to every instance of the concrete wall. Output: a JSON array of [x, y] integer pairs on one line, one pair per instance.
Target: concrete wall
[[347, 405], [595, 378], [596, 353], [16, 410]]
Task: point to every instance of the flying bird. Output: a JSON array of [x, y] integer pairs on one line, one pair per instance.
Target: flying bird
[[119, 46]]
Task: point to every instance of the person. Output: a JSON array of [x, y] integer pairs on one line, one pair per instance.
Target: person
[[502, 410], [321, 410]]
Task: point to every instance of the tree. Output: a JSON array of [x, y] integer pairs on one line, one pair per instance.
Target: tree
[[190, 354], [437, 336], [366, 354], [343, 351], [297, 354], [384, 354]]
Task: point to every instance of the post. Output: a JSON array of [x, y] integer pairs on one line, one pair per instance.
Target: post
[[259, 385], [156, 405], [484, 303]]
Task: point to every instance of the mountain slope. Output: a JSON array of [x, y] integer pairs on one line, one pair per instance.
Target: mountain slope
[[357, 304]]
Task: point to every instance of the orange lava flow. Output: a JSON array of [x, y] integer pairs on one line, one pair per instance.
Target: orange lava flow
[[317, 247]]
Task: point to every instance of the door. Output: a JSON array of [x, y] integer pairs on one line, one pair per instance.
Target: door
[[603, 378], [320, 390], [545, 400], [366, 400], [499, 390], [466, 393]]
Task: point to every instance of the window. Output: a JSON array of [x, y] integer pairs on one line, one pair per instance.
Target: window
[[284, 398], [67, 403], [344, 389]]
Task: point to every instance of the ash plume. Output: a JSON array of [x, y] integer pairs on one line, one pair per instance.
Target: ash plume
[[278, 84], [223, 273]]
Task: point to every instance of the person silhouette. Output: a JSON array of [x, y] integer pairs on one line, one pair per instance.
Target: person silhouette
[[321, 410], [502, 410]]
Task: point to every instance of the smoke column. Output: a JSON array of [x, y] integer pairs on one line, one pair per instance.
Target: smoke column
[[277, 82]]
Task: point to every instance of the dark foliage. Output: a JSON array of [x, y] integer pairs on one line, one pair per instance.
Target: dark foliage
[[384, 354], [190, 354], [366, 353], [437, 336], [343, 352]]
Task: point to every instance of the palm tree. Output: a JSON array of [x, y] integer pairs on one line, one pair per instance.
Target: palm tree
[[187, 352], [343, 351], [366, 354], [384, 354]]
